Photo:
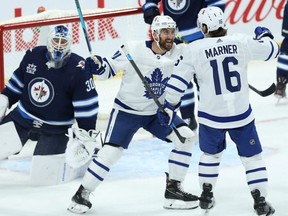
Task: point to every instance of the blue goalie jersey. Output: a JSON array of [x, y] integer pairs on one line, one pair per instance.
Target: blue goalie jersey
[[55, 97]]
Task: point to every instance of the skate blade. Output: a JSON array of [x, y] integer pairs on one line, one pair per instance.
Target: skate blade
[[179, 204], [77, 208], [205, 212], [282, 101]]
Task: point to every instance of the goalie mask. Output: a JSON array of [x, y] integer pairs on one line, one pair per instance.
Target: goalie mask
[[159, 23], [212, 17], [59, 43]]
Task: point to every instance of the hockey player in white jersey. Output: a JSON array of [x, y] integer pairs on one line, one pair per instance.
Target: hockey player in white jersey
[[220, 64], [184, 13], [134, 108]]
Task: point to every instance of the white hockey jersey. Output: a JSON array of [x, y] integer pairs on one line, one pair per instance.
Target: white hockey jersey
[[132, 96], [220, 65]]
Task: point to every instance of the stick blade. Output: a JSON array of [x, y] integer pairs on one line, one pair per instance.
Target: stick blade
[[265, 92]]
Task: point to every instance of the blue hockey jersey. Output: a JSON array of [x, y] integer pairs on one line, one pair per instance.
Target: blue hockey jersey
[[55, 97]]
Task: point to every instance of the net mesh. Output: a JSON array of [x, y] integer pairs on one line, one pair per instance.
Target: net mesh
[[105, 33]]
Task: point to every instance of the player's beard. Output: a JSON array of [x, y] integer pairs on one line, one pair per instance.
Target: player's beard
[[166, 44]]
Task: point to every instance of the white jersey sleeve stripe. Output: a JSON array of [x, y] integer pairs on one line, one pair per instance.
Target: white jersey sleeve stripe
[[271, 53], [179, 78], [175, 89]]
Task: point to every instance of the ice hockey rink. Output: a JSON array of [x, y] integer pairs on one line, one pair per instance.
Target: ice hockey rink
[[135, 185]]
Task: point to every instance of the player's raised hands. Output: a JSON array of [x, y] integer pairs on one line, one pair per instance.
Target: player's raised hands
[[150, 10], [261, 32]]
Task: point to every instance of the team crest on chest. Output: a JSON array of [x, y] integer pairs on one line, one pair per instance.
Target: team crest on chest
[[156, 83], [177, 6], [41, 92]]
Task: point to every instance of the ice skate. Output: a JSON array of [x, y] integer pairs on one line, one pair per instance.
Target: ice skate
[[261, 207], [280, 92], [176, 198], [80, 201], [207, 200]]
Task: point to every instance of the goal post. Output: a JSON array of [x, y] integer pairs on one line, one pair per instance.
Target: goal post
[[107, 29]]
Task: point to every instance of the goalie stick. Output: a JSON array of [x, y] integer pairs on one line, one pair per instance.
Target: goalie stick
[[265, 92], [130, 59], [83, 25]]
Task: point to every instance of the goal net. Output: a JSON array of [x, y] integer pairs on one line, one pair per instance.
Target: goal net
[[107, 29]]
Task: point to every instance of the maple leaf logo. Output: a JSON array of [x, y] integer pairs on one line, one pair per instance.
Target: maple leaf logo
[[156, 83]]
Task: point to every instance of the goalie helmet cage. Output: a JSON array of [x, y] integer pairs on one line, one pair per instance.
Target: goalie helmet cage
[[23, 33]]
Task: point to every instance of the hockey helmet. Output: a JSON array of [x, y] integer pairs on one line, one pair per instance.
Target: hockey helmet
[[59, 43], [160, 22], [212, 17]]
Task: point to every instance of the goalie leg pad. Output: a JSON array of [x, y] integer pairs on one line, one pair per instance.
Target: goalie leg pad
[[53, 170], [180, 156], [10, 142], [4, 103], [100, 166]]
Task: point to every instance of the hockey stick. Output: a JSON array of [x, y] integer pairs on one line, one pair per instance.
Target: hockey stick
[[265, 92], [83, 25], [130, 59]]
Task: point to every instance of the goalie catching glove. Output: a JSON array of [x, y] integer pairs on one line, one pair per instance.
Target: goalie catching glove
[[81, 146]]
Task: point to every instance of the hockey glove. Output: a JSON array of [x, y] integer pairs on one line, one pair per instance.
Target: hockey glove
[[261, 32], [93, 66], [150, 10], [4, 103], [81, 146], [166, 118]]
